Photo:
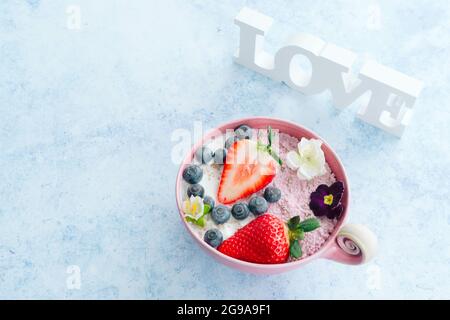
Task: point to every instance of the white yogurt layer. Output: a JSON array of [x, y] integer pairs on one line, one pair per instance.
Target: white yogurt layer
[[211, 178]]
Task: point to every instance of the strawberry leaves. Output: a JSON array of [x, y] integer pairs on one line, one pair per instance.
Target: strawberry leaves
[[297, 231], [295, 249], [297, 234], [309, 225], [293, 223]]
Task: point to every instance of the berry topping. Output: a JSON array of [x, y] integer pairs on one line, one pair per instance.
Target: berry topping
[[196, 190], [248, 169], [209, 201], [258, 205], [272, 194], [220, 214], [213, 237], [204, 155], [230, 141], [268, 240], [243, 132], [263, 240], [240, 211], [220, 155], [192, 174]]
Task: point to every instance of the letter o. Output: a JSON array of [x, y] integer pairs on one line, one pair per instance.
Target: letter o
[[294, 76]]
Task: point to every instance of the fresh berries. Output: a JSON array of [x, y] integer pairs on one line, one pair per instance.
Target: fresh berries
[[192, 174], [213, 237], [247, 170], [209, 201], [230, 141], [204, 155], [240, 211], [220, 214], [195, 190], [220, 155], [268, 240], [272, 194], [264, 240], [258, 205], [243, 132]]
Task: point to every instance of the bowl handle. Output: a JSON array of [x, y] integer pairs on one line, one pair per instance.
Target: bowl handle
[[354, 244]]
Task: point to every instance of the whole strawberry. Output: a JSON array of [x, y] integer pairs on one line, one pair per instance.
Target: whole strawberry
[[263, 240], [267, 240]]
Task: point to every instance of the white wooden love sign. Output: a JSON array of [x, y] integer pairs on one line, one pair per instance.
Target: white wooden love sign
[[393, 94]]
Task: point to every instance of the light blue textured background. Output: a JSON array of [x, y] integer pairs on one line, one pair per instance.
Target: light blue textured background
[[86, 176]]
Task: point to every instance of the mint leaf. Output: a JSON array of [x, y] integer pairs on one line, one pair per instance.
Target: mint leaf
[[261, 146], [276, 157], [295, 249], [269, 136], [268, 148], [293, 223], [206, 209], [309, 225]]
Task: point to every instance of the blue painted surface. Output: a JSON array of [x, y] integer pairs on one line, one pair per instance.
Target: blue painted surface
[[86, 175]]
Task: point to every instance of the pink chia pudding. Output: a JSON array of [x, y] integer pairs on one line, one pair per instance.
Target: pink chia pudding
[[294, 201], [296, 197]]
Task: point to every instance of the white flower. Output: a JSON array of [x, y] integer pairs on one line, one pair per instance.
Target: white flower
[[193, 207], [308, 160]]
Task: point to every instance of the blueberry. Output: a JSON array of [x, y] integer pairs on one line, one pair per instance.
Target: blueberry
[[192, 174], [196, 190], [243, 132], [258, 205], [220, 155], [240, 211], [229, 142], [204, 154], [272, 194], [209, 201], [213, 237], [220, 214]]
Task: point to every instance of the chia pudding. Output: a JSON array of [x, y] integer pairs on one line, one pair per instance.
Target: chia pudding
[[295, 192]]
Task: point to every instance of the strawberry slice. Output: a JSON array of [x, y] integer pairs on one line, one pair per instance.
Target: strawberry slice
[[248, 168]]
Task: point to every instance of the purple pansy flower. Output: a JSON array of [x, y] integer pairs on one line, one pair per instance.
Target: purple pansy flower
[[326, 200]]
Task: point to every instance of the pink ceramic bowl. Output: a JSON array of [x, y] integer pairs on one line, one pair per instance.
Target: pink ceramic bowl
[[349, 244]]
